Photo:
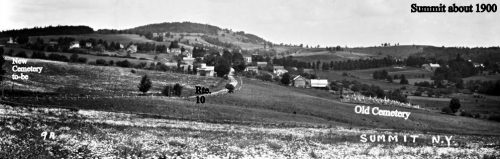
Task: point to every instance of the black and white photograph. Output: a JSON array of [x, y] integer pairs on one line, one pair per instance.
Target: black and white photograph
[[266, 79]]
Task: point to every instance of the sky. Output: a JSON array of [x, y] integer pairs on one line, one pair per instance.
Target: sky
[[312, 22]]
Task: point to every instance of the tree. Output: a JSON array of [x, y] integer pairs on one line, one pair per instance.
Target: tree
[[285, 80], [2, 61], [73, 57], [222, 67], [454, 104], [145, 84], [167, 90], [389, 79], [177, 89], [230, 88], [403, 80]]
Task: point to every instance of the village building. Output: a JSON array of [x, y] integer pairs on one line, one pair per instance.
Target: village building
[[279, 70], [261, 64], [476, 65], [248, 59], [308, 70], [11, 41], [121, 46], [318, 83], [53, 43], [88, 44], [132, 49], [174, 51], [205, 70], [74, 45], [299, 81], [430, 67], [252, 68]]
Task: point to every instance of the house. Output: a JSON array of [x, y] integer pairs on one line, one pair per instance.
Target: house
[[188, 60], [121, 46], [430, 67], [11, 41], [318, 83], [175, 51], [88, 44], [74, 45], [248, 59], [132, 49], [205, 70], [476, 65], [53, 43], [299, 81], [252, 68], [261, 64], [308, 70], [279, 70]]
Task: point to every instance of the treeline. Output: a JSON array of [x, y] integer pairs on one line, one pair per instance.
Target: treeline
[[486, 87], [179, 27], [62, 44], [50, 30], [479, 54], [454, 71]]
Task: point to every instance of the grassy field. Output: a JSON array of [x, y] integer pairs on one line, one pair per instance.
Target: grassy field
[[80, 79], [97, 134], [261, 119]]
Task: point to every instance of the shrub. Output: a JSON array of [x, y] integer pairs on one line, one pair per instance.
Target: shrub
[[447, 110], [21, 54], [73, 58], [230, 88], [111, 63], [57, 57], [82, 60], [100, 62], [177, 89], [133, 71], [145, 84], [123, 63], [265, 77], [494, 118], [10, 53], [454, 104], [285, 80], [38, 55], [167, 90]]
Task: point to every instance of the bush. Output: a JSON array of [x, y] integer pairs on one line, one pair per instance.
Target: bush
[[111, 63], [167, 90], [57, 57], [38, 55], [132, 71], [123, 63], [230, 88], [265, 77], [22, 54], [454, 104], [145, 84], [82, 60], [73, 58], [177, 89], [285, 80], [100, 62], [447, 110], [494, 118]]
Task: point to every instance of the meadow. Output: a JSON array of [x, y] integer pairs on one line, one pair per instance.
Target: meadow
[[98, 134]]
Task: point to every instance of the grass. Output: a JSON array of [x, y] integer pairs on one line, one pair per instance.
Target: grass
[[94, 134]]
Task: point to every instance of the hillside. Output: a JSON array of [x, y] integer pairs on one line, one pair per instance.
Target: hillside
[[402, 51], [206, 34]]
